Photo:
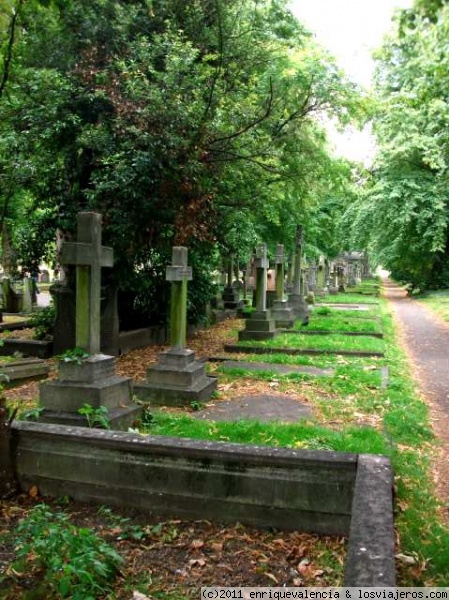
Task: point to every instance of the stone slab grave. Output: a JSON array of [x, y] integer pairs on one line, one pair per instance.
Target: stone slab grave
[[18, 370], [260, 325], [178, 378], [330, 493], [296, 299], [235, 348], [375, 334], [343, 306], [257, 407], [91, 380], [277, 368]]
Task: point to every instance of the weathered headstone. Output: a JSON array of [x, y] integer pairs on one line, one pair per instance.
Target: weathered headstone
[[178, 379], [230, 293], [90, 380], [12, 299], [321, 278], [296, 299], [45, 276], [260, 325], [27, 303], [281, 312]]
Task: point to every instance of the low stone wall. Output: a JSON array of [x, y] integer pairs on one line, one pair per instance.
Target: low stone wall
[[313, 491]]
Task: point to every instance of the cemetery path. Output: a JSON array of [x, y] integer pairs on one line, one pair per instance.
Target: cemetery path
[[425, 337]]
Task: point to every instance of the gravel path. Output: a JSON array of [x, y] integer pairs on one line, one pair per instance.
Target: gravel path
[[425, 337]]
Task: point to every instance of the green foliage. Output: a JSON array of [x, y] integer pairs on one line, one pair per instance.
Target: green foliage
[[181, 123], [43, 322], [76, 355], [401, 214], [76, 562], [97, 417]]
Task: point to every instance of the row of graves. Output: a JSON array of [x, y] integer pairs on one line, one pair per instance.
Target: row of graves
[[318, 491]]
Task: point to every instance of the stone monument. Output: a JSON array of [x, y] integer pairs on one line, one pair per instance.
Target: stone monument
[[178, 379], [88, 379], [296, 299], [281, 312], [260, 325], [230, 293]]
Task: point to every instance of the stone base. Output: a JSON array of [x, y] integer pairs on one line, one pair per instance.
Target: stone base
[[299, 306], [176, 380], [71, 395], [163, 395], [282, 314], [91, 381], [119, 419], [260, 326], [230, 298]]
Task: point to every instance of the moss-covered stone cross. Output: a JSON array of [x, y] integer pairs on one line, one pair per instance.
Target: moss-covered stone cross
[[178, 273], [89, 256]]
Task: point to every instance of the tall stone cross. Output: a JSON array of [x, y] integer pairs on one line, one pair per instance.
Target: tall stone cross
[[299, 241], [178, 273], [280, 272], [261, 263], [89, 256]]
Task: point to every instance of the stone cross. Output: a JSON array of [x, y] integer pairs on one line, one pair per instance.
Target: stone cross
[[280, 272], [261, 263], [89, 256], [178, 273], [299, 241]]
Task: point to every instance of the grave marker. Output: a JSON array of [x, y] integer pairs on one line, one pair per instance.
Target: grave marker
[[281, 312], [90, 380], [260, 325], [296, 299], [178, 379]]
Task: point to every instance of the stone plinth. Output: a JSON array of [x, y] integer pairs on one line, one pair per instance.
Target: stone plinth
[[91, 381], [259, 326], [282, 314], [230, 298], [176, 380], [298, 305]]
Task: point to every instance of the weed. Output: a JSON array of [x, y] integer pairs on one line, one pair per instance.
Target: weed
[[76, 355], [96, 417], [75, 561]]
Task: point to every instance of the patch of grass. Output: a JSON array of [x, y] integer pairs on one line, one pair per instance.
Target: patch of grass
[[339, 323], [297, 435], [332, 343], [345, 298], [438, 301]]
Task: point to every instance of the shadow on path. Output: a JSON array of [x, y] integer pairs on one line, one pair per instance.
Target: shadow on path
[[426, 340]]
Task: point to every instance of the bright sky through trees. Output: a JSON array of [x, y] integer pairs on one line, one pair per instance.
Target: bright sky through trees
[[350, 30]]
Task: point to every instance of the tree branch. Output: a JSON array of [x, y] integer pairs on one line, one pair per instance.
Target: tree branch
[[8, 52]]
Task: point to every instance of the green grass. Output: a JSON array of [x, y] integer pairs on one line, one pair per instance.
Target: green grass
[[339, 323], [438, 301], [345, 298], [300, 435], [331, 343], [330, 311]]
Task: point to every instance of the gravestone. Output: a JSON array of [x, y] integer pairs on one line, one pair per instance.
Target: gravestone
[[27, 302], [178, 379], [281, 312], [230, 293], [45, 276], [321, 276], [90, 380], [12, 300], [296, 299], [260, 325]]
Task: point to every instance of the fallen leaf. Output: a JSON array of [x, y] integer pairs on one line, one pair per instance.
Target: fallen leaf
[[139, 596], [33, 491], [197, 544]]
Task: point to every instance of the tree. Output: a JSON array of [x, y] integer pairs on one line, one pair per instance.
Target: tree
[[166, 117], [405, 202]]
